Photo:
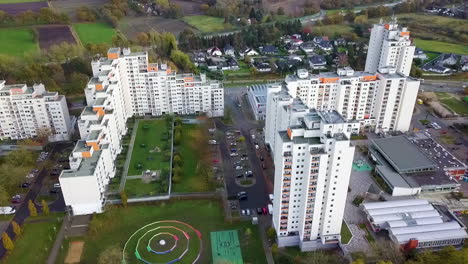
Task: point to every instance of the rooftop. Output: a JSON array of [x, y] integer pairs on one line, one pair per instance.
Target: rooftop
[[87, 166], [402, 154]]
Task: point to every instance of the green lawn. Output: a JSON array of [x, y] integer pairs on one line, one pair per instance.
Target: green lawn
[[94, 33], [138, 188], [458, 106], [18, 1], [148, 150], [207, 23], [440, 46], [345, 233], [205, 216], [330, 30], [34, 244], [189, 182], [20, 41]]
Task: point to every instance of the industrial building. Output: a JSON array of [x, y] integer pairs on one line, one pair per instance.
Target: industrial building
[[416, 164], [415, 224]]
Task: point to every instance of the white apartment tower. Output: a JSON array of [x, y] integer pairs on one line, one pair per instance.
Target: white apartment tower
[[382, 101], [125, 84], [390, 47], [313, 159], [26, 112]]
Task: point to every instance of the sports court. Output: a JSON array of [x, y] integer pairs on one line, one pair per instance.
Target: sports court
[[225, 247]]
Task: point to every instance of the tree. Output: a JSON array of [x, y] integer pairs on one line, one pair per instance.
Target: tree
[[124, 198], [32, 208], [45, 208], [182, 61], [4, 197], [280, 11], [7, 243], [119, 40], [16, 228], [111, 255], [465, 91], [241, 139], [274, 249], [177, 160], [77, 82], [358, 261], [143, 39], [271, 233], [248, 232]]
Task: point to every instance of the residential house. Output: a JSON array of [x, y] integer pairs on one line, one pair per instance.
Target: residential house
[[270, 50], [291, 48], [217, 63], [262, 65], [339, 42], [232, 63], [229, 50], [214, 51], [464, 63], [317, 62], [325, 46], [308, 47], [419, 54], [248, 52], [448, 59], [198, 58], [437, 68]]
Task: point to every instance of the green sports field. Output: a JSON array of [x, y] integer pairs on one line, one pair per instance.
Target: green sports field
[[206, 23], [94, 33], [440, 46], [225, 247], [18, 41]]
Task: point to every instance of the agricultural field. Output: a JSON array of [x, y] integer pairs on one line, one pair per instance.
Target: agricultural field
[[330, 30], [18, 1], [53, 35], [439, 46], [69, 7], [202, 215], [94, 33], [20, 41], [131, 26], [291, 7], [14, 7], [190, 8], [207, 24]]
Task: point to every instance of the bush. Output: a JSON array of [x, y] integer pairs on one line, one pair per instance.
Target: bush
[[358, 200]]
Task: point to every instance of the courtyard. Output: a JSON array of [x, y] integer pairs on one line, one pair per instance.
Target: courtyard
[[165, 221]]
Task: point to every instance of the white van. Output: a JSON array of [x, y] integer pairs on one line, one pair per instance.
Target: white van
[[270, 208], [7, 210]]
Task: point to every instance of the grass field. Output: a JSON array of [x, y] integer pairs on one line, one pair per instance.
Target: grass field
[[148, 149], [18, 1], [35, 242], [20, 41], [439, 46], [205, 216], [190, 182], [330, 30], [138, 188], [206, 23], [453, 103], [345, 233], [94, 33]]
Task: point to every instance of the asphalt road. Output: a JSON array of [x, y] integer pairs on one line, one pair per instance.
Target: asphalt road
[[258, 193], [22, 212], [442, 86]]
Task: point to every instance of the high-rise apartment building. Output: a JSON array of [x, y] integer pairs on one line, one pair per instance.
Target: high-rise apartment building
[[382, 101], [313, 159], [125, 84], [27, 112], [390, 47]]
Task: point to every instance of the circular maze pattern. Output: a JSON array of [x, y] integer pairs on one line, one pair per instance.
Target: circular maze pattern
[[164, 242]]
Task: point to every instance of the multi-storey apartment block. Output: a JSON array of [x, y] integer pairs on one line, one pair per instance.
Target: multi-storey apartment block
[[390, 47], [382, 100], [313, 159], [27, 112], [125, 84]]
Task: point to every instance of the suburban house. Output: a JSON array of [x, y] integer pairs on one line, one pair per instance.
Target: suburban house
[[419, 54], [248, 52], [325, 45], [437, 68], [464, 63], [317, 62], [229, 50], [449, 59], [291, 48], [340, 42], [308, 47], [262, 66], [198, 57], [270, 50], [214, 51]]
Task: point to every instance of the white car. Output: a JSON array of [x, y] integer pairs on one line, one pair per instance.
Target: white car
[[234, 154], [7, 210], [238, 167], [56, 185], [247, 211], [242, 212]]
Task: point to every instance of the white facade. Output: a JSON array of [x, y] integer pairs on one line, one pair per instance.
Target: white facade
[[257, 95], [313, 160], [390, 47], [26, 112], [124, 84], [383, 100]]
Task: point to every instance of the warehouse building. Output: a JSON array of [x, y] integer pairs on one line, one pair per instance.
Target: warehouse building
[[415, 224]]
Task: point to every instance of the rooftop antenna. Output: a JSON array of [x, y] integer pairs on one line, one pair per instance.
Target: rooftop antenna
[[394, 19], [381, 21]]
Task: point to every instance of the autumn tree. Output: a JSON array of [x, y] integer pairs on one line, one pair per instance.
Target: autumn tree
[[7, 243], [32, 208], [124, 198], [16, 228], [45, 208]]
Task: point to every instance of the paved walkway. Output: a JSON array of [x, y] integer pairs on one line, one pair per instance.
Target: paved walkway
[[129, 156], [263, 224], [54, 252]]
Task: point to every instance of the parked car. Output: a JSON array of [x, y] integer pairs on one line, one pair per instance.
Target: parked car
[[262, 158], [55, 190], [259, 211], [25, 184], [242, 212], [16, 199], [239, 176], [242, 195], [265, 210], [257, 146], [234, 154], [7, 210], [238, 167], [57, 185], [247, 211], [233, 150], [263, 166]]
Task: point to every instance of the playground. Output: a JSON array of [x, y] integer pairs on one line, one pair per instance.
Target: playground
[[166, 241], [225, 247], [361, 165]]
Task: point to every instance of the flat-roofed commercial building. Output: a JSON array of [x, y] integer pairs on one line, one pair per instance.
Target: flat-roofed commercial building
[[28, 112], [257, 95], [415, 223], [412, 165]]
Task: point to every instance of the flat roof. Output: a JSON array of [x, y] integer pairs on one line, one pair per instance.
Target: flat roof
[[86, 168], [402, 154]]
